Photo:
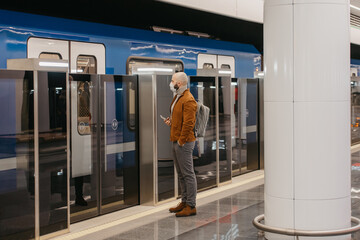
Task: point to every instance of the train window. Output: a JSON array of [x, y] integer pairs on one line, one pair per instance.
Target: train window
[[226, 62], [208, 66], [225, 66], [86, 64], [84, 114], [50, 55], [132, 62]]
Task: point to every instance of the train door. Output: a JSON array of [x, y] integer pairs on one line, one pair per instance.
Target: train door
[[87, 60], [207, 61], [84, 197], [104, 155], [88, 184], [48, 48], [226, 64]]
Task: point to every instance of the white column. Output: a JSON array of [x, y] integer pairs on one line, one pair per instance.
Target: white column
[[307, 115]]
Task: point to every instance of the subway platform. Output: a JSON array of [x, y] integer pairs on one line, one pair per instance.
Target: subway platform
[[222, 213]]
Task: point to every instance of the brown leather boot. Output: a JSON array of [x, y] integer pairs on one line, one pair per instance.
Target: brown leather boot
[[187, 211], [178, 208]]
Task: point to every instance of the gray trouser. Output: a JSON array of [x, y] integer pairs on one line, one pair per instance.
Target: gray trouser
[[185, 169]]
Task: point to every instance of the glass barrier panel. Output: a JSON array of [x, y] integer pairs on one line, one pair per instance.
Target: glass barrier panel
[[225, 137], [52, 152], [235, 128], [119, 175], [84, 151], [166, 181], [203, 89], [249, 125], [17, 205], [355, 110]]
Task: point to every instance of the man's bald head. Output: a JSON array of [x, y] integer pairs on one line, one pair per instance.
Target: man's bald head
[[180, 77]]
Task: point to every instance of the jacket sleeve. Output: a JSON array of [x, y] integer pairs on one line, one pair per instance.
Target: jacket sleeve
[[189, 118]]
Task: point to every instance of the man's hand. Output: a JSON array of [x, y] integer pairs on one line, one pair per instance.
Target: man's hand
[[167, 121]]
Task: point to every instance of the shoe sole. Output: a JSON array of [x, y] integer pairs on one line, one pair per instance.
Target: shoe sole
[[192, 214], [175, 211]]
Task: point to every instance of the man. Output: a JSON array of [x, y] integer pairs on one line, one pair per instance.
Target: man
[[182, 121]]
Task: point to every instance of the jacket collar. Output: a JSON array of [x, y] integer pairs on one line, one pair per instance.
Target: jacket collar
[[186, 90], [181, 90]]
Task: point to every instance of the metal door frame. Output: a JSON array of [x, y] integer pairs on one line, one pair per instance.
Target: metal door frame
[[47, 65], [149, 191]]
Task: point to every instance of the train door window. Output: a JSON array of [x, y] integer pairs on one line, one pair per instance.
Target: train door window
[[208, 66], [47, 48], [206, 61], [354, 72], [225, 66], [49, 55], [87, 57], [86, 64], [133, 62], [226, 62]]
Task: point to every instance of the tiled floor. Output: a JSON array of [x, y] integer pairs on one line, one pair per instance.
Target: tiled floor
[[227, 218], [355, 188]]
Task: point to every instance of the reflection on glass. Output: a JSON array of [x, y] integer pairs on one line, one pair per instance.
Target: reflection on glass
[[131, 106], [164, 146], [83, 181], [225, 140], [355, 110], [119, 177], [251, 129], [245, 150], [53, 157], [203, 89], [17, 205], [83, 107], [235, 128], [86, 64]]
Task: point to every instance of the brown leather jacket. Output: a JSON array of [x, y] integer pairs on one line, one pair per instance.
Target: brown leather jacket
[[183, 118]]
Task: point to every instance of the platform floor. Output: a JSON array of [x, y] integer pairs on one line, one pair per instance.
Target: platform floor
[[222, 213]]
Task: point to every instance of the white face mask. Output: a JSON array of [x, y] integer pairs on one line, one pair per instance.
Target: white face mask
[[172, 88]]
